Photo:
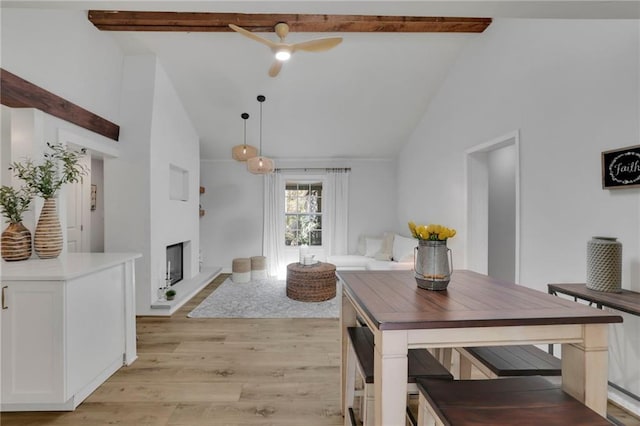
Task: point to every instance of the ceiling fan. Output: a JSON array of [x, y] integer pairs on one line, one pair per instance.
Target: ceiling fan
[[282, 50]]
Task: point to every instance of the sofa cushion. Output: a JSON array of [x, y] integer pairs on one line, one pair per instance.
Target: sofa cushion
[[362, 243], [381, 265], [347, 261], [403, 248], [372, 246], [386, 248]]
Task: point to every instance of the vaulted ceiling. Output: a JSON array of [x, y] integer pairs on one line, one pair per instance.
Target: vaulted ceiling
[[362, 98]]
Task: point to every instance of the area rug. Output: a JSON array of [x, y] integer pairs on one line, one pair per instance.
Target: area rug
[[261, 299]]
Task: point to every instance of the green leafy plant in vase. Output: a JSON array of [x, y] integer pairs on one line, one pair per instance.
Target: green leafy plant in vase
[[61, 165], [16, 238], [170, 294]]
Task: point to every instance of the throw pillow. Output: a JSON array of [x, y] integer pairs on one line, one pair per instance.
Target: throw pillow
[[362, 245], [386, 250], [372, 246], [403, 248]]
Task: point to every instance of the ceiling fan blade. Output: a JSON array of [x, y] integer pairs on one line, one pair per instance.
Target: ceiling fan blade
[[275, 68], [317, 45], [253, 36]]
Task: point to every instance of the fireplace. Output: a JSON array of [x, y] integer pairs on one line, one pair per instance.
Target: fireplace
[[174, 262]]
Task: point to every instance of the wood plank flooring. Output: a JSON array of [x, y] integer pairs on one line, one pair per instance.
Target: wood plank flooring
[[235, 372]]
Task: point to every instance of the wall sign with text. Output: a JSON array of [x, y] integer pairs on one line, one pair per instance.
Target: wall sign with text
[[621, 168]]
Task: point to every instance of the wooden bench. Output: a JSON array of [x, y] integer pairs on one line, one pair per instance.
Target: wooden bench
[[509, 401], [421, 364], [508, 361]]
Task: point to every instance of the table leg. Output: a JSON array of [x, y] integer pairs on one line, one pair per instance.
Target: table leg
[[585, 368], [347, 319], [390, 372]]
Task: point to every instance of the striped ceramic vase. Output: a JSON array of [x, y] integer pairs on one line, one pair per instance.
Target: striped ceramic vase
[[47, 239], [16, 242]]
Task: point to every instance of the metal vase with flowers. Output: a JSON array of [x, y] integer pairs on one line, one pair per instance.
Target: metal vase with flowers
[[432, 262], [433, 265]]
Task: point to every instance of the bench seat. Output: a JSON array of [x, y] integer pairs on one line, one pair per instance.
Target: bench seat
[[508, 361], [514, 401], [360, 358]]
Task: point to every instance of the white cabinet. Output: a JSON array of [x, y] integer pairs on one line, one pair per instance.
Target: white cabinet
[[67, 325]]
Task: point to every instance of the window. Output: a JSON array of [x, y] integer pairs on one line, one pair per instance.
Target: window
[[303, 213]]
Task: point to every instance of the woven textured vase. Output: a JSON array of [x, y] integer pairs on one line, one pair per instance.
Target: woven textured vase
[[16, 242], [47, 239], [604, 264]]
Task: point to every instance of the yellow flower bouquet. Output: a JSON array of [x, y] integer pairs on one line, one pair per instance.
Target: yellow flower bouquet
[[431, 232]]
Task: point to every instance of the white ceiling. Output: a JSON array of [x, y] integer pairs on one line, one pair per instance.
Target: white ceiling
[[360, 99]]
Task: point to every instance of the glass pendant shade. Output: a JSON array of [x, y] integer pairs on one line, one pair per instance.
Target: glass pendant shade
[[260, 165], [244, 152]]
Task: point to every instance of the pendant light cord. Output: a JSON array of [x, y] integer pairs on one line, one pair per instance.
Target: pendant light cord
[[261, 129]]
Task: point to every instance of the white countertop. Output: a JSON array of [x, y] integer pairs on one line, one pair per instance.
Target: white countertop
[[66, 266]]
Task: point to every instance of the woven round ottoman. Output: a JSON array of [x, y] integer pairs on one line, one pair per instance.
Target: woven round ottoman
[[258, 268], [311, 283], [241, 270]]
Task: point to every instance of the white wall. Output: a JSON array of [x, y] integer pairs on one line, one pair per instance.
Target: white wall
[[62, 52], [139, 216], [174, 141], [232, 224], [571, 88]]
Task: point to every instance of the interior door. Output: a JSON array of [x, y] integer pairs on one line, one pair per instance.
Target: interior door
[[74, 218], [78, 195]]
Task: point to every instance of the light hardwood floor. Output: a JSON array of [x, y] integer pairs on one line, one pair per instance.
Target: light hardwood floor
[[193, 372]]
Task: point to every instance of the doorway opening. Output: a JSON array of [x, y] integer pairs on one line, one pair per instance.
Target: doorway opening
[[493, 207]]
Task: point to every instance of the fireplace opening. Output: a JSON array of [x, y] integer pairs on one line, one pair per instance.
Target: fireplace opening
[[174, 262]]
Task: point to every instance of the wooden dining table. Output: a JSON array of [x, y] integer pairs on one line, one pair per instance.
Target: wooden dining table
[[475, 310]]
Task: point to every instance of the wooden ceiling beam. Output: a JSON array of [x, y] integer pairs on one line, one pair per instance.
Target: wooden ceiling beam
[[118, 20], [16, 92]]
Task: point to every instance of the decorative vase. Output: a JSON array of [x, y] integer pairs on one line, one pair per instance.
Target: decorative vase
[[47, 239], [433, 264], [16, 242], [604, 264]]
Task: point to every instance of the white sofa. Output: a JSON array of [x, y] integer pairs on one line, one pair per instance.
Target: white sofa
[[377, 253]]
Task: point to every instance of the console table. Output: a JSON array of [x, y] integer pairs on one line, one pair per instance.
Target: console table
[[626, 301]]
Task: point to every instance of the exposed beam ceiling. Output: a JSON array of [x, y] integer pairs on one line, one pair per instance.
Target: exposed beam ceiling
[[16, 92], [115, 20]]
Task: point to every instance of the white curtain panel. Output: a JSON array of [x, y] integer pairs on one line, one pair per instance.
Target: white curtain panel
[[338, 211], [274, 223]]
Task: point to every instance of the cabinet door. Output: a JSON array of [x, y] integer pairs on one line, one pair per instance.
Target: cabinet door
[[95, 327], [32, 338]]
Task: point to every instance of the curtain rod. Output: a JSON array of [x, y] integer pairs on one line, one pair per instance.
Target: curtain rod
[[306, 169]]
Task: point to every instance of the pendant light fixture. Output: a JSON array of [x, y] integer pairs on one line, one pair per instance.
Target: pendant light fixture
[[244, 152], [260, 165]]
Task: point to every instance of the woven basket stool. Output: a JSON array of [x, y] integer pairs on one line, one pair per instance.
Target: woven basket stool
[[258, 268], [311, 283], [241, 270]]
